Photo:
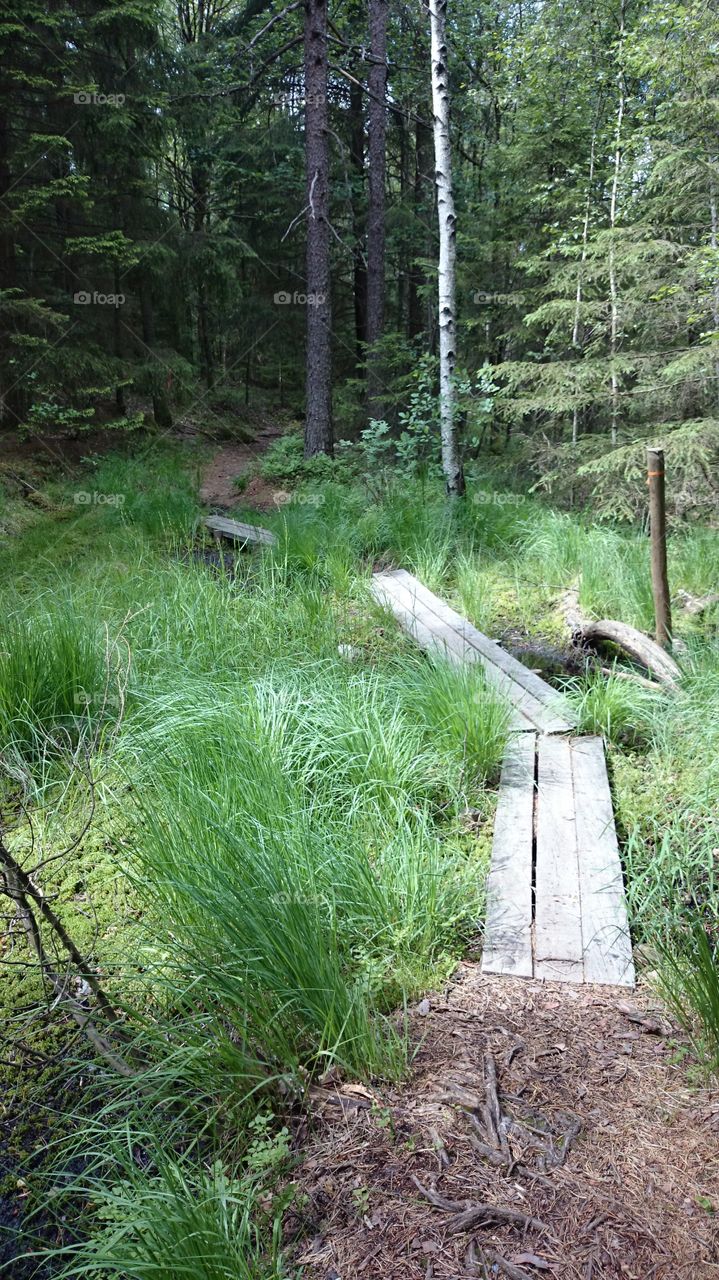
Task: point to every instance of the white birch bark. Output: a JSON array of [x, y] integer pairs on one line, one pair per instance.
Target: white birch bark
[[451, 462]]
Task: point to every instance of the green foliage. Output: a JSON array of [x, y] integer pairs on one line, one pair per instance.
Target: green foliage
[[54, 680], [460, 714], [614, 706], [285, 463], [176, 1218], [690, 982], [413, 448]]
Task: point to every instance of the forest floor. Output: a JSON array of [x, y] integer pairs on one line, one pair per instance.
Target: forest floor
[[635, 1196], [219, 482]]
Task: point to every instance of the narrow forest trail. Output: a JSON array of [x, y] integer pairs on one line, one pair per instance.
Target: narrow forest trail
[[545, 1127], [219, 489]]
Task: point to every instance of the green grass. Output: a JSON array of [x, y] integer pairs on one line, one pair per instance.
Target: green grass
[[620, 709], [690, 983], [297, 832], [168, 1218], [57, 679], [278, 860]]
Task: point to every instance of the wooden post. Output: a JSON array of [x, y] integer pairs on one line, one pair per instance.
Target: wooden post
[[658, 533]]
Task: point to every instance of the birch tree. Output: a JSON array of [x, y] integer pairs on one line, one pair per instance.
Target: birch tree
[[451, 462]]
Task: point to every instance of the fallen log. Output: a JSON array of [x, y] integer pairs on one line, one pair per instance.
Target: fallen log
[[695, 606], [638, 646]]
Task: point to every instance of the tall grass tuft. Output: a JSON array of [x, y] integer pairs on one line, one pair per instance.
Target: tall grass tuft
[[159, 1217], [690, 981], [287, 846], [53, 679], [459, 714], [622, 710]]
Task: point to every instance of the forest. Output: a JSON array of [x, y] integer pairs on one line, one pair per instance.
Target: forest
[[359, 653]]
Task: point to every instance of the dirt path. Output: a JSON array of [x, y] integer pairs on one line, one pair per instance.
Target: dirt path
[[218, 488], [635, 1196]]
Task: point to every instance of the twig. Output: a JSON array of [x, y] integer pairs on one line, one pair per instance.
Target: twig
[[491, 1111], [435, 1199], [440, 1148], [484, 1215], [20, 889], [567, 1141], [509, 1269], [488, 1153], [475, 1215]]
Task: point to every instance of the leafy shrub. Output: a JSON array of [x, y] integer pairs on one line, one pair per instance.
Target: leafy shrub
[[285, 462]]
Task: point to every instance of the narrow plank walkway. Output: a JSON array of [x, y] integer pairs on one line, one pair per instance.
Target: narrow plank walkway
[[436, 627], [556, 908], [237, 531]]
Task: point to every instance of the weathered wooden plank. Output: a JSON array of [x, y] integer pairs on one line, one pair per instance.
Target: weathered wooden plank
[[508, 921], [605, 928], [237, 531], [406, 603], [558, 944], [436, 637], [565, 918], [490, 650]]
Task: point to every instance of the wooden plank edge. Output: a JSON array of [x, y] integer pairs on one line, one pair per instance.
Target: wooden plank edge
[[608, 956], [404, 604], [508, 920], [238, 531], [558, 942], [550, 713], [490, 648]]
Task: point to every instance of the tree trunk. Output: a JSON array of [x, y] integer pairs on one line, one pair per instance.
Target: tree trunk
[[200, 187], [451, 463], [377, 84], [11, 397], [120, 404], [318, 422], [405, 256], [639, 647], [714, 244], [613, 287], [160, 406], [359, 265]]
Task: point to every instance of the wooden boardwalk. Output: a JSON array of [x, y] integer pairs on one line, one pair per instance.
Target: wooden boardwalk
[[238, 531], [555, 895], [438, 628]]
